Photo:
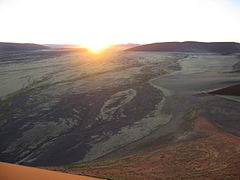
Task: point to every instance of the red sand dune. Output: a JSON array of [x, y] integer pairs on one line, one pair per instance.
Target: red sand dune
[[17, 172], [214, 154]]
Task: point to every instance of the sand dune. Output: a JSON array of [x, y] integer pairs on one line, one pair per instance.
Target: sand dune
[[12, 172], [232, 90]]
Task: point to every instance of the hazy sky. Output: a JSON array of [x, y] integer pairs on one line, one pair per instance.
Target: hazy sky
[[101, 22]]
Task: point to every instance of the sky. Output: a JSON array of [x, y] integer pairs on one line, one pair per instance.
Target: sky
[[97, 23]]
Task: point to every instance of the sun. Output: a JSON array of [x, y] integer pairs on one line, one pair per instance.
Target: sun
[[96, 47]]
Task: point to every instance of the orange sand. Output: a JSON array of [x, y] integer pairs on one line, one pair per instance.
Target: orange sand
[[16, 172]]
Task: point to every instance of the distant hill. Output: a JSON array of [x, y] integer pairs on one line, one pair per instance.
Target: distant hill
[[191, 46], [4, 46], [125, 46]]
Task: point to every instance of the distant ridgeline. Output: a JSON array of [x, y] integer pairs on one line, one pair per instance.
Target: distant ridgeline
[[191, 46], [20, 46]]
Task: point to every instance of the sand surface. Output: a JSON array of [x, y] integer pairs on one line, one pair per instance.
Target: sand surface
[[12, 172]]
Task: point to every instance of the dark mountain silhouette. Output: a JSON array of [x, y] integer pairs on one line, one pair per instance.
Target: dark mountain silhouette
[[5, 46], [125, 46], [191, 46]]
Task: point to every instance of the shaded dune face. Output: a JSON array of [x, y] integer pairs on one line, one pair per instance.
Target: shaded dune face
[[232, 91]]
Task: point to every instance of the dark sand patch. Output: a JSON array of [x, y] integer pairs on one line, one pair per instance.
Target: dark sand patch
[[231, 90]]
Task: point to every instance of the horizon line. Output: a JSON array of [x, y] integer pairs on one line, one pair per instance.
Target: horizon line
[[125, 43]]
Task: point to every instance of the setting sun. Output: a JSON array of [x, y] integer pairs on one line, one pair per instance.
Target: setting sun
[[96, 47]]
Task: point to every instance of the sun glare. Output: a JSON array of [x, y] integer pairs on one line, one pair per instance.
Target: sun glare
[[96, 47]]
